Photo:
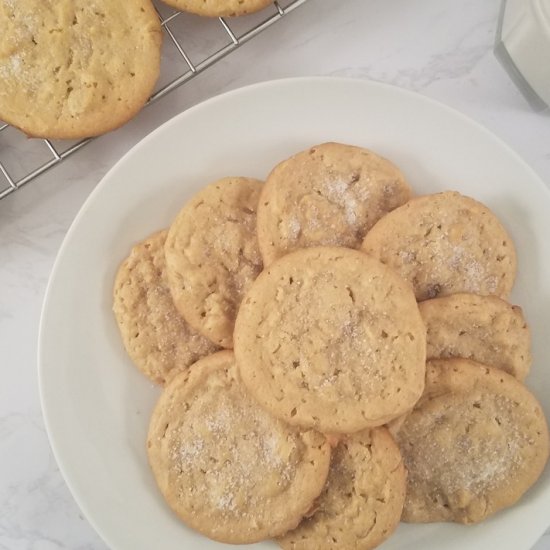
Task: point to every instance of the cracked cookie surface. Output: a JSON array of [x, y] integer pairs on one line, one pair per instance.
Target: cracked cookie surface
[[328, 195], [72, 69], [444, 244], [474, 443], [212, 255], [155, 335], [331, 338], [363, 498], [485, 329], [224, 465]]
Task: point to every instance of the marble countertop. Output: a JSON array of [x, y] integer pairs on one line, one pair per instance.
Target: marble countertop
[[440, 48]]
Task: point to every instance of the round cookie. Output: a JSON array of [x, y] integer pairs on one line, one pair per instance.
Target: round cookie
[[363, 498], [225, 466], [156, 337], [445, 244], [332, 339], [73, 69], [475, 442], [212, 255], [485, 329], [219, 8], [329, 195]]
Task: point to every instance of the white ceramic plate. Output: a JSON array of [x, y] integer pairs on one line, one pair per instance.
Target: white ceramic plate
[[96, 405]]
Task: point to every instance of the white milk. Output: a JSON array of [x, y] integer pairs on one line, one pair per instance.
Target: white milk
[[523, 47]]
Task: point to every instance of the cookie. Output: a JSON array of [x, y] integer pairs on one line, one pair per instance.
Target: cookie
[[329, 195], [73, 69], [445, 244], [363, 498], [485, 329], [225, 466], [219, 8], [474, 444], [212, 256], [154, 334], [331, 339]]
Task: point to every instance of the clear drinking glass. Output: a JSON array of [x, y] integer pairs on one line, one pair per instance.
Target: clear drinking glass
[[523, 48]]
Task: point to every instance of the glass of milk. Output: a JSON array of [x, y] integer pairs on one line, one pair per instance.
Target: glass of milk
[[523, 48]]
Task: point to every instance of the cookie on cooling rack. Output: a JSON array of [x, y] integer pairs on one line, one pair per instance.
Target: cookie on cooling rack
[[474, 443], [328, 195], [212, 255], [332, 339], [155, 335], [482, 328], [73, 69], [444, 244], [363, 498], [219, 8], [224, 465]]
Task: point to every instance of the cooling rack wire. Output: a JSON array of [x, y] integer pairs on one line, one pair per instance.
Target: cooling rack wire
[[191, 45]]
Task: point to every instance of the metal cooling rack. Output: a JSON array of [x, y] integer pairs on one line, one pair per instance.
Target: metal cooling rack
[[23, 159]]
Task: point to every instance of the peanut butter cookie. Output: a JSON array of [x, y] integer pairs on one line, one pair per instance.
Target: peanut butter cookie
[[212, 256], [219, 8], [154, 334], [73, 68], [329, 195], [474, 444], [332, 339], [444, 244], [485, 329], [363, 499], [224, 465]]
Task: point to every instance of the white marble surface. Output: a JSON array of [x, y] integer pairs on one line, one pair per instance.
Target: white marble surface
[[440, 48]]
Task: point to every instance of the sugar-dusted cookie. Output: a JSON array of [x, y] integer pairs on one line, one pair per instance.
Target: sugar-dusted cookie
[[227, 467], [363, 498], [154, 334], [482, 328], [212, 255], [74, 68], [331, 338], [475, 442], [444, 244], [329, 195], [219, 8]]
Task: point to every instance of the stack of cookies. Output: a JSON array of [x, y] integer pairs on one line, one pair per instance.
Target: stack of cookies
[[336, 356]]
